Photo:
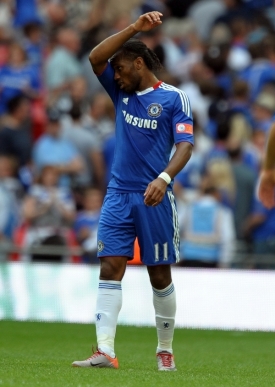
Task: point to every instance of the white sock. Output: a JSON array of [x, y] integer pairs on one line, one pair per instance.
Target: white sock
[[108, 305], [165, 310]]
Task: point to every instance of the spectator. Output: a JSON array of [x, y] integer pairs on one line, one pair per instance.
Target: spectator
[[48, 212], [53, 13], [245, 180], [216, 57], [93, 84], [216, 162], [78, 14], [261, 70], [204, 13], [97, 120], [202, 90], [165, 48], [18, 77], [34, 44], [207, 230], [263, 111], [182, 39], [62, 65], [86, 224], [253, 150], [52, 149], [77, 94], [9, 214], [9, 177], [15, 135], [87, 145], [241, 116]]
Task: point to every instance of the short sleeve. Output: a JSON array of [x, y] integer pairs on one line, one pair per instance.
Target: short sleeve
[[108, 82], [182, 120]]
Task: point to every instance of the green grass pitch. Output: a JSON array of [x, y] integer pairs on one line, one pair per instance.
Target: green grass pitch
[[40, 354]]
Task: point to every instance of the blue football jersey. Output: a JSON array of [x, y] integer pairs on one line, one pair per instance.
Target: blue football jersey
[[148, 124]]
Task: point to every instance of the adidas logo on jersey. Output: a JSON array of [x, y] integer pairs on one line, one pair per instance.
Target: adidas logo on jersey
[[140, 122], [125, 100]]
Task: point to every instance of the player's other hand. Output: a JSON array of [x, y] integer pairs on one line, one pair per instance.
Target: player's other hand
[[148, 21], [266, 188], [155, 192]]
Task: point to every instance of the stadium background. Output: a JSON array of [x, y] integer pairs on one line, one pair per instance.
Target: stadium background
[[222, 54]]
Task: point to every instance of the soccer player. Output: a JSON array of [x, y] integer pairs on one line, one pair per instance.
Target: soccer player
[[151, 117], [266, 188]]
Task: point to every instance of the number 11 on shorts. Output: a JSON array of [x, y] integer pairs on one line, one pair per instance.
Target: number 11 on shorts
[[165, 252]]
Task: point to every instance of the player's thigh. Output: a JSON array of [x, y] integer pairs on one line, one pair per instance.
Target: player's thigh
[[158, 231], [116, 230]]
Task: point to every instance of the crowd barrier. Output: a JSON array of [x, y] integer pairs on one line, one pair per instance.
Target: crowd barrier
[[242, 257]]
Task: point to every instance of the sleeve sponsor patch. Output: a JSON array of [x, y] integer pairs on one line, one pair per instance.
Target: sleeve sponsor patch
[[184, 128]]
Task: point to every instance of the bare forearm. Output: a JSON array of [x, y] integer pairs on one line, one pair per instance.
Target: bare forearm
[[179, 159], [155, 190], [269, 159], [108, 47]]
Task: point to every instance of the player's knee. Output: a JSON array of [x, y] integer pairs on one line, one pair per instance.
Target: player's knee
[[160, 282], [112, 269], [160, 278]]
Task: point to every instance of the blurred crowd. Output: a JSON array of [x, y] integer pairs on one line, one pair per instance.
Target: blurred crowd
[[57, 123]]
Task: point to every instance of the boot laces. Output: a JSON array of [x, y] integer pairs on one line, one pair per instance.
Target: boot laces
[[95, 354], [166, 359]]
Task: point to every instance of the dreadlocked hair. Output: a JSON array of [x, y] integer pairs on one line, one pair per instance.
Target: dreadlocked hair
[[135, 48]]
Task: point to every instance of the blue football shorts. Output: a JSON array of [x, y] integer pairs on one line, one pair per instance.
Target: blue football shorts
[[124, 216]]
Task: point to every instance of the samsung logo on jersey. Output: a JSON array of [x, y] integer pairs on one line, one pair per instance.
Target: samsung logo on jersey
[[140, 122]]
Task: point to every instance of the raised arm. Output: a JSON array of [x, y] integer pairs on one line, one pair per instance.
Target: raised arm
[[266, 189], [100, 55]]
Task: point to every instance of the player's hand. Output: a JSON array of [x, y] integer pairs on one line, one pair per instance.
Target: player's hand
[[155, 192], [266, 188], [148, 21]]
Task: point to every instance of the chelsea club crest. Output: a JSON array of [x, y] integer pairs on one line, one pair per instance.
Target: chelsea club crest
[[154, 110], [100, 246]]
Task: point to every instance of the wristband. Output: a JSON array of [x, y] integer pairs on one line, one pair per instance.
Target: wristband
[[165, 177]]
